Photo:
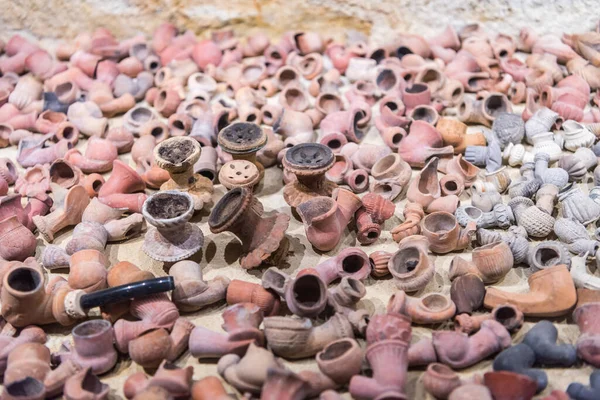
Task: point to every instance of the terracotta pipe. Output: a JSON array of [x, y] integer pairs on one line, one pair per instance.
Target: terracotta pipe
[[68, 211], [175, 381], [27, 360], [119, 190], [241, 324], [305, 295], [371, 217], [509, 316], [410, 265], [297, 338], [326, 218], [191, 291], [351, 262], [93, 347], [98, 158], [31, 151], [245, 292], [153, 347], [587, 343], [248, 373], [29, 334], [85, 385], [459, 350], [433, 308], [551, 293], [26, 388], [388, 339], [26, 301]]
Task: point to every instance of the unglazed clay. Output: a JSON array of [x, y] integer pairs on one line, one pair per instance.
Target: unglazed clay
[[326, 218], [551, 293], [444, 233], [308, 162], [410, 265], [266, 243], [178, 155], [171, 237]]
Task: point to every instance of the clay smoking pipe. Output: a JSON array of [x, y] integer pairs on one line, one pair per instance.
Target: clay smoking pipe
[[177, 156], [241, 322], [265, 243], [551, 293], [68, 211], [305, 295], [578, 391], [93, 347], [191, 292], [171, 237], [410, 265], [444, 233], [308, 162], [294, 338], [326, 218]]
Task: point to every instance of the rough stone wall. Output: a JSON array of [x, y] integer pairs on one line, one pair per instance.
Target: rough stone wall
[[65, 18]]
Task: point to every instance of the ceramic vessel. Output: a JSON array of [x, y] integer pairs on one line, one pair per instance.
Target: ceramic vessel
[[577, 206], [17, 242], [587, 343], [467, 293], [245, 292], [392, 175], [491, 338], [93, 347], [266, 243], [388, 338], [308, 162], [171, 237], [371, 217], [575, 236], [551, 293], [248, 373], [191, 291], [431, 309], [410, 265], [425, 187], [444, 233], [508, 128], [413, 213], [177, 156], [326, 218], [548, 254], [297, 338]]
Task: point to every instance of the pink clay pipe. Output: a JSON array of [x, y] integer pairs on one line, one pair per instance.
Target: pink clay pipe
[[459, 350], [388, 339], [305, 295], [193, 293], [119, 191], [241, 322], [351, 262], [8, 340], [175, 381], [93, 347], [325, 219], [155, 346]]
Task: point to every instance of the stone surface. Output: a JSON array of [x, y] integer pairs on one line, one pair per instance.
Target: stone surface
[[379, 17]]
